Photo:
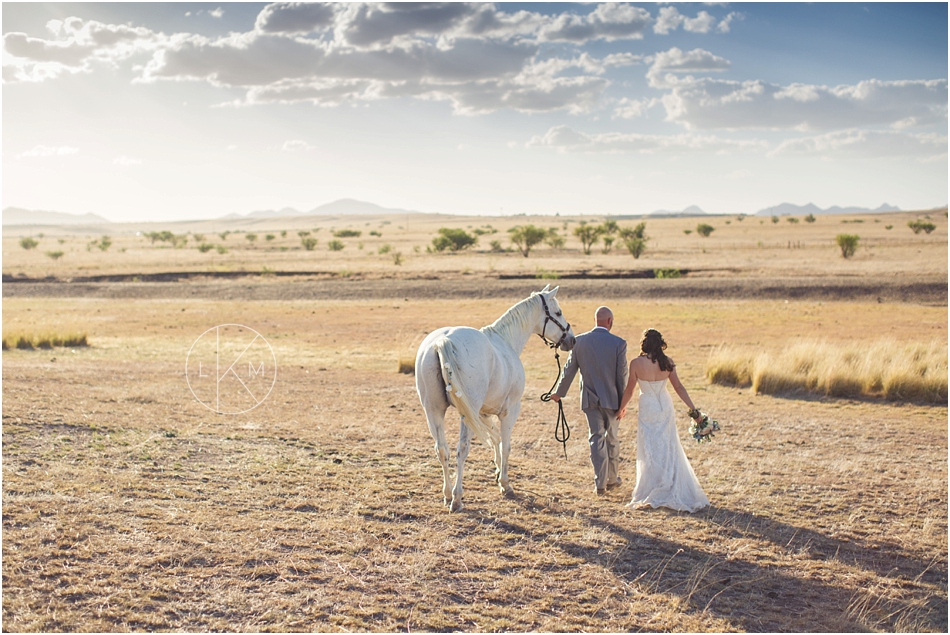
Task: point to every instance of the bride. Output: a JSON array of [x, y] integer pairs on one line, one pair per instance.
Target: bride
[[664, 475]]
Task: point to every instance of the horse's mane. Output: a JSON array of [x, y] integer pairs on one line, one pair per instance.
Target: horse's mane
[[515, 318]]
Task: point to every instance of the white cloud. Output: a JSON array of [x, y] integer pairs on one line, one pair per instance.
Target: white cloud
[[609, 21], [216, 13], [709, 103], [565, 139], [702, 23], [725, 24], [49, 151], [633, 108], [294, 17], [867, 144], [669, 19], [296, 145]]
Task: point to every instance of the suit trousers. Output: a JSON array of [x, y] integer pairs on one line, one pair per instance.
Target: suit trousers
[[604, 445]]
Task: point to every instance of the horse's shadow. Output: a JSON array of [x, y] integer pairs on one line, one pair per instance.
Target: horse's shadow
[[757, 592]]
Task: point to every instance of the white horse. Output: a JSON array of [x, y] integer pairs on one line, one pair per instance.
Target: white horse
[[479, 371]]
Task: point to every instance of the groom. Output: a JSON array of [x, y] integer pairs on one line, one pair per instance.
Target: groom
[[602, 360]]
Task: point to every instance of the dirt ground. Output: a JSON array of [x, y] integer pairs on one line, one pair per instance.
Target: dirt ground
[[128, 505]]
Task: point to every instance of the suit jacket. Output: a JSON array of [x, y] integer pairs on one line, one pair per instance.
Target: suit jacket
[[602, 359]]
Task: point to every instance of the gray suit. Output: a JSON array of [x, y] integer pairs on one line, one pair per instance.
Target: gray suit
[[602, 359]]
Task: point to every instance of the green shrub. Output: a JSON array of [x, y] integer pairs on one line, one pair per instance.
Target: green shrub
[[526, 237], [848, 244], [588, 235], [347, 233], [397, 258], [270, 237], [205, 247], [810, 218], [222, 249], [335, 245], [384, 249], [792, 219], [916, 225], [667, 273], [554, 240], [775, 219], [704, 230], [28, 243], [308, 242], [453, 239], [55, 255], [496, 246], [250, 237]]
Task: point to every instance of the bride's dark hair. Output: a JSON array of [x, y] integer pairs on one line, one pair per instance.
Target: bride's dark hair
[[652, 345]]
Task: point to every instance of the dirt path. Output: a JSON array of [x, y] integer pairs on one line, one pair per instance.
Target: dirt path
[[931, 290]]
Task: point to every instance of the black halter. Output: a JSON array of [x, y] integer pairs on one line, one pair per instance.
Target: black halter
[[549, 318]]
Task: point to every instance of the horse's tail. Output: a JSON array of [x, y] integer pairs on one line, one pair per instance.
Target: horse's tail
[[484, 430]]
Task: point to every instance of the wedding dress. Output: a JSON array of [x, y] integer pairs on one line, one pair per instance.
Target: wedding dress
[[664, 476]]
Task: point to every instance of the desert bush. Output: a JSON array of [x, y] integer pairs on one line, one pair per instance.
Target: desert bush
[[335, 245], [29, 243], [347, 233], [634, 239], [667, 273], [199, 237], [250, 237], [608, 245], [270, 237], [30, 341], [102, 244], [888, 227], [704, 230], [375, 233], [775, 219], [810, 218], [496, 246], [588, 235], [453, 239], [205, 247], [848, 243], [384, 249], [303, 233], [885, 368], [792, 219], [283, 234], [554, 240], [525, 237], [916, 225], [55, 255], [397, 258], [224, 235], [407, 366], [221, 249], [740, 217], [687, 231]]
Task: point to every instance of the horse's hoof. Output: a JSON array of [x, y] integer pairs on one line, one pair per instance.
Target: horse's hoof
[[507, 492], [456, 506]]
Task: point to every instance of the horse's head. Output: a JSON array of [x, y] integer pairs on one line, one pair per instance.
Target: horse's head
[[555, 330]]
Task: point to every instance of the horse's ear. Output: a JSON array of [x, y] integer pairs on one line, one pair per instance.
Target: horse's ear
[[554, 290], [545, 289]]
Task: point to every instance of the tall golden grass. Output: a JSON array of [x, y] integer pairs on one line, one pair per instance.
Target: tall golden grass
[[885, 368], [30, 341]]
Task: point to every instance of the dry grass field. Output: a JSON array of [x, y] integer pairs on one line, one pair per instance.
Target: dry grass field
[[129, 506]]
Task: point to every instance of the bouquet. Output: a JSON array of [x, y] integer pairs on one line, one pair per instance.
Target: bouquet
[[703, 429]]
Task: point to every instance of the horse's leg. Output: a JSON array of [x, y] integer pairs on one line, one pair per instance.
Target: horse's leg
[[507, 420], [436, 420], [465, 444]]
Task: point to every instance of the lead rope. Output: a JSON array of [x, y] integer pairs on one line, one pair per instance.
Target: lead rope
[[562, 432]]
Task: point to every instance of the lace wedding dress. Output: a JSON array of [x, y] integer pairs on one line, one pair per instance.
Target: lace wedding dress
[[664, 476]]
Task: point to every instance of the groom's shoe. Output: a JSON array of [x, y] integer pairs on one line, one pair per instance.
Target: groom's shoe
[[601, 491], [615, 485]]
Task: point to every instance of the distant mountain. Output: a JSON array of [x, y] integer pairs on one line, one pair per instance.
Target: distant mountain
[[342, 207], [20, 216], [349, 206], [787, 209], [692, 210]]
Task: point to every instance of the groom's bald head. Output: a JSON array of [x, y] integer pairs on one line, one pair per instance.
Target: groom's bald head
[[604, 317]]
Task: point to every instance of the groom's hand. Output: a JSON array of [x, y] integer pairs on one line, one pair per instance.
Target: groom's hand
[[555, 398]]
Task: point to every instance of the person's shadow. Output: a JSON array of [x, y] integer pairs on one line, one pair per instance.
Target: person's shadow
[[767, 590]]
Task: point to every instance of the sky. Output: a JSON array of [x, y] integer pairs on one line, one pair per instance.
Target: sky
[[174, 111]]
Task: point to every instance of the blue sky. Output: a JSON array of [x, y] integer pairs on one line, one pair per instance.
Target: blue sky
[[163, 111]]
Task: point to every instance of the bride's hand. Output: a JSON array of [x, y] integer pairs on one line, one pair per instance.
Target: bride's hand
[[621, 413]]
